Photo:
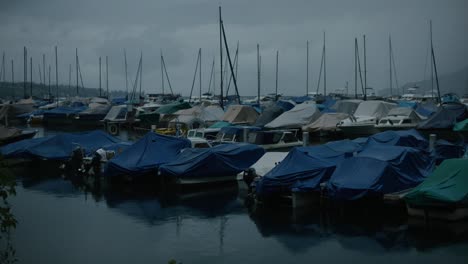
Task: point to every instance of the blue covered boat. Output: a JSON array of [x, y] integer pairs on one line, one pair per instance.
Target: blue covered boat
[[304, 168], [62, 115], [379, 170], [146, 155], [405, 138], [219, 163], [58, 147]]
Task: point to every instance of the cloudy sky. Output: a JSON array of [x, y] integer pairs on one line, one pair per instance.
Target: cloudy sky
[[180, 27]]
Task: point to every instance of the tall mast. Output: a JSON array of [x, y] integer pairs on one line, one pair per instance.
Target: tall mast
[[126, 73], [307, 69], [435, 67], [390, 61], [432, 65], [258, 74], [107, 78], [13, 78], [100, 87], [141, 73], [221, 57], [3, 66], [76, 60], [43, 69], [30, 71], [25, 53], [230, 62], [276, 80], [324, 68], [49, 83], [355, 68], [69, 78], [199, 73], [162, 73], [365, 70], [40, 73], [56, 74]]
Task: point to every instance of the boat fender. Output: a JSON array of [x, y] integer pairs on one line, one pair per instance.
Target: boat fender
[[113, 129]]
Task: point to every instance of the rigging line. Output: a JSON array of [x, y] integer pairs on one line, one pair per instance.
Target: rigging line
[[194, 77], [167, 76], [235, 65], [428, 52], [320, 73], [135, 84], [394, 70], [360, 72], [79, 70], [230, 62], [211, 75]]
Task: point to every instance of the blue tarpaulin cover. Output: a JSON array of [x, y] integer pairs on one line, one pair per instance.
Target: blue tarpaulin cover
[[63, 111], [405, 138], [379, 170], [304, 168], [447, 150], [221, 160], [146, 155], [58, 147]]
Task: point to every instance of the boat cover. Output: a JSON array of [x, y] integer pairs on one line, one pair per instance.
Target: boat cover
[[301, 99], [269, 114], [220, 124], [146, 155], [346, 106], [405, 138], [426, 109], [240, 114], [297, 117], [173, 107], [461, 126], [220, 160], [58, 147], [379, 170], [374, 108], [286, 105], [448, 184], [445, 117], [404, 111], [304, 168], [447, 150], [63, 111], [326, 122]]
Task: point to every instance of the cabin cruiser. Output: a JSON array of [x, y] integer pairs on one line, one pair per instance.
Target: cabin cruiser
[[118, 116], [366, 116], [275, 139], [399, 118]]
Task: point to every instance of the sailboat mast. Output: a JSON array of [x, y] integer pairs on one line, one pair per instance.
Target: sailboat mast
[[276, 80], [307, 68], [162, 73], [355, 68], [199, 73], [56, 74], [435, 67], [324, 67], [390, 62], [44, 69], [365, 69], [141, 74], [30, 71], [69, 77], [126, 73], [432, 65], [76, 60], [258, 74], [107, 78], [221, 58], [100, 82], [25, 53]]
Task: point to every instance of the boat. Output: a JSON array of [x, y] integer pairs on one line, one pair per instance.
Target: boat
[[366, 116], [326, 125], [92, 116], [442, 122], [205, 133], [443, 195], [300, 115], [233, 134], [378, 170], [399, 118], [62, 115], [119, 116], [212, 165], [10, 134], [283, 139], [240, 114], [141, 161]]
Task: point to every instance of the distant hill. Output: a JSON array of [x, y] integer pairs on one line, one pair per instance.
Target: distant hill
[[16, 90], [456, 82]]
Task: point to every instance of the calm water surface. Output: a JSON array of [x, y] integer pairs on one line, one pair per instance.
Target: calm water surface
[[61, 222]]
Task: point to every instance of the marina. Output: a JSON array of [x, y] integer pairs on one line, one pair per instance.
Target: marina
[[322, 153]]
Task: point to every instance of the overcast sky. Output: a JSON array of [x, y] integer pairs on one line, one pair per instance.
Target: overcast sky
[[180, 27]]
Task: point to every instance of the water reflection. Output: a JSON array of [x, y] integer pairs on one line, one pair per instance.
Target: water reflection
[[210, 225]]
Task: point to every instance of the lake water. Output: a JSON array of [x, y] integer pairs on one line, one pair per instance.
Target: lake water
[[63, 222]]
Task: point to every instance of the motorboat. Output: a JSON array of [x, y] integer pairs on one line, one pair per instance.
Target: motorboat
[[275, 139], [399, 118], [366, 116]]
